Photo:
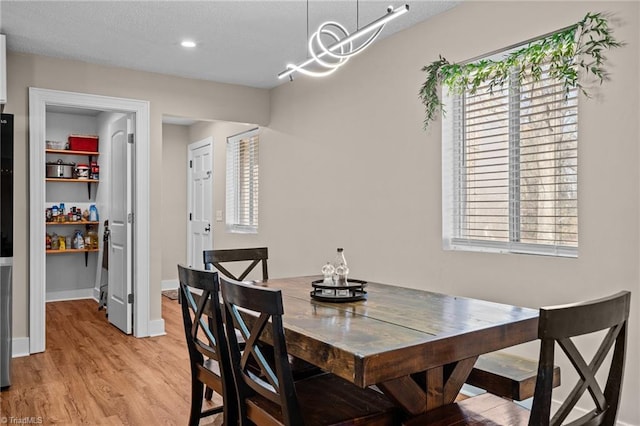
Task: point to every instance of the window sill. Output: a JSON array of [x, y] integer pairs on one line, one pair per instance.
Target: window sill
[[458, 244], [234, 229]]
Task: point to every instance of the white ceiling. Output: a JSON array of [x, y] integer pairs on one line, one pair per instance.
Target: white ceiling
[[240, 42]]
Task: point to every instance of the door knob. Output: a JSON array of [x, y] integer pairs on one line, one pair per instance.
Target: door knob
[[208, 228]]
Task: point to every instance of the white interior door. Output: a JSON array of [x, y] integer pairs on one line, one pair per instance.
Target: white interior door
[[199, 200], [118, 303]]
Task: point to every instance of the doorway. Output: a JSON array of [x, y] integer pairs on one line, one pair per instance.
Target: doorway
[[39, 101], [199, 200]]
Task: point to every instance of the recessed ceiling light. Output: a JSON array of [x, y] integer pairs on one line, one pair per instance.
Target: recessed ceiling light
[[188, 43]]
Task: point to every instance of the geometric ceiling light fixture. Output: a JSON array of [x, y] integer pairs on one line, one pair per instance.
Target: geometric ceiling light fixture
[[331, 45]]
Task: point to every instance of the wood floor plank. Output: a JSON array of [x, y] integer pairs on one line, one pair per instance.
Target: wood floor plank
[[91, 373]]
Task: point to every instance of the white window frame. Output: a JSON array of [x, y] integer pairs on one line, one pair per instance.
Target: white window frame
[[453, 217], [234, 207]]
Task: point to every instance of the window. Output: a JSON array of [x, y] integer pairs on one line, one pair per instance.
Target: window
[[510, 169], [242, 182]]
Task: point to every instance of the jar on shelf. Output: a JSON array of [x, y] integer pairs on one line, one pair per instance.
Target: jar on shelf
[[82, 171], [54, 241], [95, 170]]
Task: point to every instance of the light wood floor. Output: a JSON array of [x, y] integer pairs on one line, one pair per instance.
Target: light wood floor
[[91, 373]]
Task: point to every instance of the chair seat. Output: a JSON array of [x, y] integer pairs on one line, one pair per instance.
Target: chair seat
[[485, 409], [329, 400]]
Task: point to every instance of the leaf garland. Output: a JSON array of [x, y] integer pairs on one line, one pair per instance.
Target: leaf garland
[[571, 53]]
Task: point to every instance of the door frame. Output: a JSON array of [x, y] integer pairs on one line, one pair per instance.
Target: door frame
[[39, 99], [190, 148]]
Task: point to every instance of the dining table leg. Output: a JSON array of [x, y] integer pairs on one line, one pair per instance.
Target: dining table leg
[[435, 387], [406, 393]]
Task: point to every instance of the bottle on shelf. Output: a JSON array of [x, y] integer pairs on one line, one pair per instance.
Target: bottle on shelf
[[78, 240], [93, 213], [91, 239], [54, 241], [341, 268], [95, 170]]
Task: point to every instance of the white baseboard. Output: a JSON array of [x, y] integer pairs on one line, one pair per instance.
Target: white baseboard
[[19, 347], [83, 293], [156, 328], [57, 296], [170, 284]]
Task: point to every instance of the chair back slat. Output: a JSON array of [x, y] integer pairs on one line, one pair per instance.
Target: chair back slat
[[215, 259], [257, 312], [560, 324], [198, 323]]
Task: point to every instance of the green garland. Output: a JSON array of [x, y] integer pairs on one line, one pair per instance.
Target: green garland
[[567, 55]]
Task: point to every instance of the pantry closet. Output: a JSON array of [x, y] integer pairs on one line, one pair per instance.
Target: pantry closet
[[73, 250], [106, 190]]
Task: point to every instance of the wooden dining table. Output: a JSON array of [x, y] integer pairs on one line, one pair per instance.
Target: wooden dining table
[[417, 346]]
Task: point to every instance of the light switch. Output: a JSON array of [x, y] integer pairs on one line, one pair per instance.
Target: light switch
[[219, 216]]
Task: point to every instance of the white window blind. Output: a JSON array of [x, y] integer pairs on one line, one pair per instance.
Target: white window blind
[[242, 182], [512, 160]]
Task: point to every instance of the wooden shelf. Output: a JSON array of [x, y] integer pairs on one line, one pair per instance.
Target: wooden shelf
[[81, 222], [72, 180], [69, 152], [90, 154], [72, 251]]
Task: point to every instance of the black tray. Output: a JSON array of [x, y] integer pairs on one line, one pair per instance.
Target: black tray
[[354, 287], [359, 295]]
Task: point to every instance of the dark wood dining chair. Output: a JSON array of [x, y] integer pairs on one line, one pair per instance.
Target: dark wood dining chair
[[215, 259], [559, 324], [273, 397], [203, 327]]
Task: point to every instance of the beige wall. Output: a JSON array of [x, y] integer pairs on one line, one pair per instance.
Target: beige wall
[[345, 162], [175, 140], [167, 95]]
